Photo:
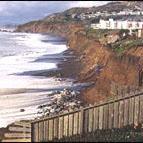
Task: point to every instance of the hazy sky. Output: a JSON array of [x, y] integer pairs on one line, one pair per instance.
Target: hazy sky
[[24, 11]]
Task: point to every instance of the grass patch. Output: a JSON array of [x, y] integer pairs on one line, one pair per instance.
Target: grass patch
[[97, 33], [120, 46]]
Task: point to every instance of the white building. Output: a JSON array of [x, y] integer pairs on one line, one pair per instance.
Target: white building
[[129, 12], [105, 13], [111, 24]]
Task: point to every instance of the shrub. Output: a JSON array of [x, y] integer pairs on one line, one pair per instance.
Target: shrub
[[123, 45]]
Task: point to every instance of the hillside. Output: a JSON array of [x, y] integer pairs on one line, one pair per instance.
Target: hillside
[[66, 15], [73, 13]]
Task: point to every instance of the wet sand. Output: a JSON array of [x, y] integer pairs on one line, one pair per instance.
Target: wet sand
[[67, 62]]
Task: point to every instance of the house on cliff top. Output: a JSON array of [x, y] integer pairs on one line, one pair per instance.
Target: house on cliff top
[[119, 24]]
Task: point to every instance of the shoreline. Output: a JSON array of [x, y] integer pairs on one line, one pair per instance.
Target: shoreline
[[65, 100], [97, 64]]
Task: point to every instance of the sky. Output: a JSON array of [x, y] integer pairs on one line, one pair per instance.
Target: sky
[[18, 12]]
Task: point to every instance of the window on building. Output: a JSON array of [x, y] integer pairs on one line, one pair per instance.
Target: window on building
[[137, 24]]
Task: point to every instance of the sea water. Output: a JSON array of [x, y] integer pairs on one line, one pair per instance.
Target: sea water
[[18, 54]]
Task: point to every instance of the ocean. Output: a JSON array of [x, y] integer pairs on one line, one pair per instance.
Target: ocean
[[21, 55]]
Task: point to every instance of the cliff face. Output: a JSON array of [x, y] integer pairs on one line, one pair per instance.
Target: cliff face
[[98, 63], [104, 68], [61, 29]]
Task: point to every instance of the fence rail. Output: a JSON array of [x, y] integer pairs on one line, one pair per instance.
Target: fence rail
[[117, 113], [19, 131]]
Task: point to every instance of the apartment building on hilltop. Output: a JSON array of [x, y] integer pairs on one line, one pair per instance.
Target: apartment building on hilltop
[[119, 24]]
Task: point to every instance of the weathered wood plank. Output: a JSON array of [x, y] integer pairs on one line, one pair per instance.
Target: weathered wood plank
[[79, 123], [103, 124], [32, 133], [100, 117], [19, 129], [126, 113], [70, 125], [86, 121], [96, 118], [41, 131], [60, 127], [105, 119], [16, 140], [56, 127], [65, 125], [141, 110], [46, 130], [116, 114], [75, 132], [136, 110], [111, 112], [121, 113], [17, 135], [28, 125], [90, 120], [131, 110], [51, 129], [35, 132]]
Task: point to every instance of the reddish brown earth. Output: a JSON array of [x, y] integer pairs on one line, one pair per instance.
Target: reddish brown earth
[[121, 71]]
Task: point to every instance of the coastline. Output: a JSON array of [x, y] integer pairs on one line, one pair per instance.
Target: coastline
[[67, 99], [99, 64], [64, 100]]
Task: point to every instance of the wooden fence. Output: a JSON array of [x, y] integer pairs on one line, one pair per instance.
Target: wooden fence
[[119, 112], [19, 131]]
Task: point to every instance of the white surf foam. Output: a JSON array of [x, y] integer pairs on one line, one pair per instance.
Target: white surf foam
[[26, 49], [33, 48]]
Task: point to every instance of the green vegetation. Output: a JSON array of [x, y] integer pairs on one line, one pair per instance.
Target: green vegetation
[[124, 42], [120, 46], [97, 33], [100, 34], [123, 33], [30, 23], [126, 134]]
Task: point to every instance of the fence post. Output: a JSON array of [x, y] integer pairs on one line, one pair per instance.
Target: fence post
[[32, 132], [24, 131], [82, 122]]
